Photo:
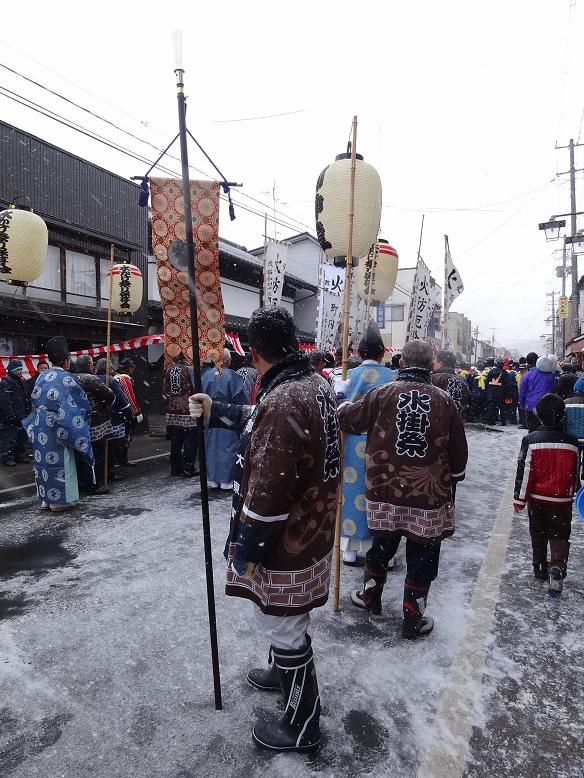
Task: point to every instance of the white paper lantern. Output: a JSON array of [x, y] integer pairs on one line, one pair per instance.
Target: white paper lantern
[[333, 197], [24, 241], [127, 288], [377, 272]]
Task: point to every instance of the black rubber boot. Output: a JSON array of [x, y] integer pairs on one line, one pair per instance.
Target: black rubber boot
[[415, 624], [298, 729], [540, 571], [556, 581], [369, 597], [265, 680]]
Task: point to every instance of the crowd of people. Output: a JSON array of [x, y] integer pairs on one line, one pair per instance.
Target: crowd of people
[[292, 440], [79, 422]]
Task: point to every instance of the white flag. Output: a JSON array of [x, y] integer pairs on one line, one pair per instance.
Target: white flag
[[330, 305], [424, 297], [454, 285], [275, 258]]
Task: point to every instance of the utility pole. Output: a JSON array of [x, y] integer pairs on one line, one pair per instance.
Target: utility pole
[[563, 295], [575, 324], [553, 320], [493, 340], [476, 348], [574, 319]]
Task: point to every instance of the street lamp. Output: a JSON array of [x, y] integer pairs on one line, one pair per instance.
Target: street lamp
[[577, 242], [552, 228]]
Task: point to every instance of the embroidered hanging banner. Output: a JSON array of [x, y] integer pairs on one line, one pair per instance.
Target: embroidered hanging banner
[[275, 257], [168, 226]]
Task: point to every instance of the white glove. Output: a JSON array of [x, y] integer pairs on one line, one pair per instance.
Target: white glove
[[341, 387], [139, 418], [200, 405]]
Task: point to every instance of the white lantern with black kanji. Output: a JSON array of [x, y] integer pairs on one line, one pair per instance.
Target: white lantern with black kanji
[[24, 241], [333, 199], [375, 275], [127, 288]]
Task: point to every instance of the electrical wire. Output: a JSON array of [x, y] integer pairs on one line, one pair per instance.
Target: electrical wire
[[257, 118], [48, 113], [136, 137], [475, 208]]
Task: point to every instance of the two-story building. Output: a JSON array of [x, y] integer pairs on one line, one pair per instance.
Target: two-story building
[[86, 209]]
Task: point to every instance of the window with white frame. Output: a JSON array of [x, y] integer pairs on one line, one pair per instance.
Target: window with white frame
[[104, 265], [394, 312], [48, 285], [81, 286]]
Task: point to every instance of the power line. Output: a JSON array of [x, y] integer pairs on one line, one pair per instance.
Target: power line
[[257, 118], [134, 136], [48, 113], [475, 208]]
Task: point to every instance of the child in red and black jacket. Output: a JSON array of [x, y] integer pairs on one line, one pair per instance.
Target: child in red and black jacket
[[547, 478]]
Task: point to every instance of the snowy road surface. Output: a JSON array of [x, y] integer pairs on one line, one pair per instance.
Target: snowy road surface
[[105, 669]]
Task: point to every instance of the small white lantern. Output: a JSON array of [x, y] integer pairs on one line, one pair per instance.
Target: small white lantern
[[24, 241], [375, 275], [127, 288], [333, 199]]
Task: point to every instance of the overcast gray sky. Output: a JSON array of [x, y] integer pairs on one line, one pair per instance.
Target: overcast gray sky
[[459, 103]]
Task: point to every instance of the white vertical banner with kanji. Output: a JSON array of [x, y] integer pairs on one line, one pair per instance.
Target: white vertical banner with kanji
[[275, 257], [454, 285], [424, 296], [330, 305], [356, 314]]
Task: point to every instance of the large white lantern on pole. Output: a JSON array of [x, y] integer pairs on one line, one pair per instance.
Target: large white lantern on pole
[[24, 241], [333, 200], [127, 287], [376, 273]]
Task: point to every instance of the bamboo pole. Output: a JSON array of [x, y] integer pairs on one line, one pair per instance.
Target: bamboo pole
[[371, 280], [107, 353], [345, 340], [445, 298]]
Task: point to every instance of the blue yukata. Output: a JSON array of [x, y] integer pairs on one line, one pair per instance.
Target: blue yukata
[[221, 444], [354, 532], [58, 426]]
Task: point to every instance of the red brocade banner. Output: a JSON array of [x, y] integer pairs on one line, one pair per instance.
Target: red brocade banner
[[168, 225]]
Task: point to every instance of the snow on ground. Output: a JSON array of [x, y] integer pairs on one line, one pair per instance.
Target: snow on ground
[[105, 664]]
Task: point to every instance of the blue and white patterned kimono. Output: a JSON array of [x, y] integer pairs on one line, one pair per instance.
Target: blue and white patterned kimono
[[354, 532], [222, 444], [57, 427]]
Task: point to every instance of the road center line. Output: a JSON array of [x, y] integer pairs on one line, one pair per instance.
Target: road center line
[[445, 755]]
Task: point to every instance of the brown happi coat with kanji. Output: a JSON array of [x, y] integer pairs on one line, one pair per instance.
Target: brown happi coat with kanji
[[456, 386], [416, 448], [287, 480]]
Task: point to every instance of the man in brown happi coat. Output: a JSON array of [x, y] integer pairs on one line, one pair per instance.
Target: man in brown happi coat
[[445, 377], [416, 448], [283, 517]]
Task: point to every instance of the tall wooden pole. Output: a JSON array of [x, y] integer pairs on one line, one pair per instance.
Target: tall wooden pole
[[182, 105], [345, 341], [445, 318], [107, 353], [370, 287]]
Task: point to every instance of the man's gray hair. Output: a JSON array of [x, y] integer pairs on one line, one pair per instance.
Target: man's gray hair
[[84, 364], [417, 353], [226, 357]]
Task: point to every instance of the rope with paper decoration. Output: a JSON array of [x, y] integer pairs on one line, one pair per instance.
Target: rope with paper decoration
[[127, 287], [24, 240]]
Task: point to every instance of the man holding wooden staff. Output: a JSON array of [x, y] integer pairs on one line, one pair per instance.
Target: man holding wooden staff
[[416, 448], [282, 530]]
